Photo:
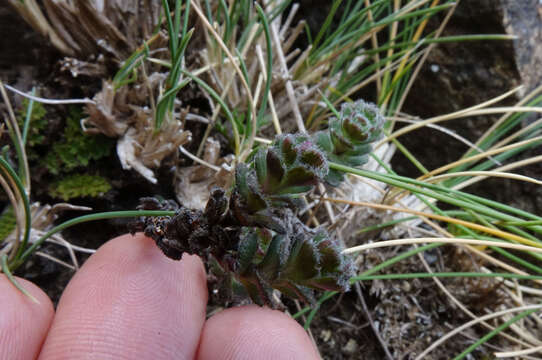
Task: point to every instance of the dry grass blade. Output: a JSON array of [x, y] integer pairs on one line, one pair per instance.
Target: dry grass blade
[[17, 140], [286, 75], [56, 260], [374, 43], [85, 28], [218, 39], [422, 60], [448, 132], [471, 111], [31, 12], [503, 118], [9, 183], [471, 323], [198, 160], [415, 38], [274, 116], [468, 224], [499, 172], [525, 130], [456, 241], [49, 101], [11, 247], [480, 156], [374, 77], [518, 353], [480, 175]]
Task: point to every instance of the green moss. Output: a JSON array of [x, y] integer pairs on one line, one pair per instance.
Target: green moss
[[80, 185], [76, 149], [36, 126], [64, 153], [70, 149], [7, 223]]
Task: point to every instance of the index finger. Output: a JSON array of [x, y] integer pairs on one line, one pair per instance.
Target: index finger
[[129, 301]]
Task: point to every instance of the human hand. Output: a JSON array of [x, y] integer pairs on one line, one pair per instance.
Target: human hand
[[129, 301]]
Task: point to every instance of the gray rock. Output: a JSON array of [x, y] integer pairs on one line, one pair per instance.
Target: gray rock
[[456, 76], [460, 75], [523, 18]]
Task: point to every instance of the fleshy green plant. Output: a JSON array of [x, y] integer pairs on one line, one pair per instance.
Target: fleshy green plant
[[79, 185], [254, 237], [348, 139]]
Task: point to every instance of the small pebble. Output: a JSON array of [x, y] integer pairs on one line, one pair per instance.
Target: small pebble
[[325, 335], [350, 348]]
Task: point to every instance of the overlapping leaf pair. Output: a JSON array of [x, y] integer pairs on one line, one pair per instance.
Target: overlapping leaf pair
[[274, 179], [293, 263]]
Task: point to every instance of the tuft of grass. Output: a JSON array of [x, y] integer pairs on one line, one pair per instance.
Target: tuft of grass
[[178, 41]]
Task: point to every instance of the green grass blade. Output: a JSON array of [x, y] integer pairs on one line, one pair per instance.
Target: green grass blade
[[428, 190], [28, 116], [494, 332], [9, 172], [86, 218], [225, 108], [170, 28], [11, 278], [269, 68], [327, 22]]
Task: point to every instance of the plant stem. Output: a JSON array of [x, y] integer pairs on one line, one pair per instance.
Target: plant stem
[[85, 218]]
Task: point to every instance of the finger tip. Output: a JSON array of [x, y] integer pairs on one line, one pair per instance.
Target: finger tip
[[39, 305], [43, 301], [23, 322], [127, 245], [129, 290], [140, 250], [253, 332]]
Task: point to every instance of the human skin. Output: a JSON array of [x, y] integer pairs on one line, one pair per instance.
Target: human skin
[[129, 301]]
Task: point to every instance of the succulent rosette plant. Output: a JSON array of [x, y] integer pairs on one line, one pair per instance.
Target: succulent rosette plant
[[348, 139], [251, 234]]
